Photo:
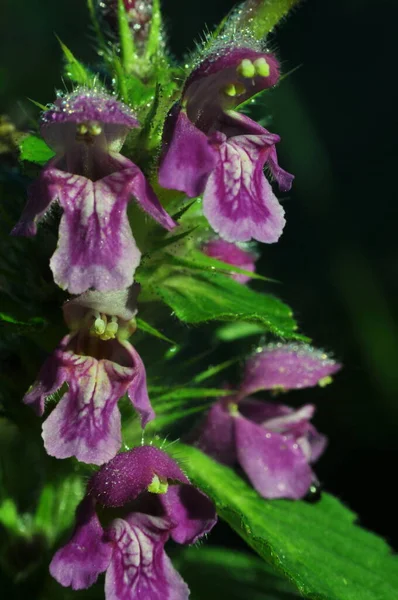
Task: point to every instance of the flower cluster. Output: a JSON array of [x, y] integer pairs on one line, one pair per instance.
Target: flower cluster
[[139, 499]]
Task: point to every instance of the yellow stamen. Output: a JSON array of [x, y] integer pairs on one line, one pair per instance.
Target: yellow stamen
[[233, 409], [95, 129], [158, 485], [99, 325], [111, 330], [325, 381], [246, 68], [82, 128], [262, 67], [230, 90]]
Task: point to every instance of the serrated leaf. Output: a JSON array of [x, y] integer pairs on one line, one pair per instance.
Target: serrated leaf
[[208, 297], [218, 572], [35, 150], [317, 547], [144, 326]]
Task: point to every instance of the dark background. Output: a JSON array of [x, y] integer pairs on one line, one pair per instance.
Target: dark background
[[338, 257]]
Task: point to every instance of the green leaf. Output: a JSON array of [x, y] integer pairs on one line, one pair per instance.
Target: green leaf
[[214, 370], [127, 47], [211, 296], [155, 33], [218, 572], [75, 70], [170, 240], [317, 547], [10, 519], [35, 150], [261, 16], [97, 28], [198, 261], [190, 393], [32, 323], [144, 326], [57, 504], [238, 330]]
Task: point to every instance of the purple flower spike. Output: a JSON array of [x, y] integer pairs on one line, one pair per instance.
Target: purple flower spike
[[232, 255], [286, 367], [274, 444], [209, 149], [99, 367], [158, 503], [93, 183]]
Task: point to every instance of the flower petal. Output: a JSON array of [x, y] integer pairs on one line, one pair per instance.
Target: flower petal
[[232, 255], [279, 418], [86, 555], [188, 158], [52, 376], [191, 510], [148, 201], [238, 201], [140, 568], [86, 422], [287, 366], [317, 443], [294, 422], [282, 177], [40, 197], [138, 392], [96, 247], [276, 465], [130, 473], [215, 435]]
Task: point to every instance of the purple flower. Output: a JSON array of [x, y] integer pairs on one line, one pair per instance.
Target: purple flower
[[211, 149], [274, 444], [93, 184], [231, 254], [154, 501], [287, 367], [99, 366]]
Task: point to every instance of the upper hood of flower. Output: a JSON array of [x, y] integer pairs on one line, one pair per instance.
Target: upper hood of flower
[[286, 367], [225, 80], [119, 303], [131, 473], [88, 115]]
